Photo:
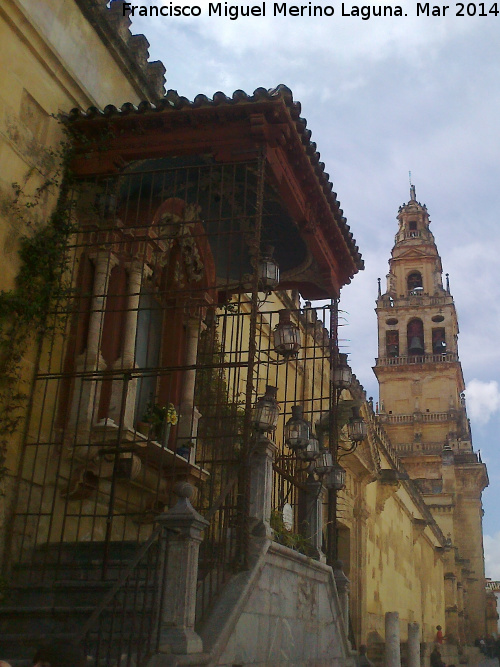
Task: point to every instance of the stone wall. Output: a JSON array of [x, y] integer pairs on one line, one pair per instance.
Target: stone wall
[[54, 57], [284, 610]]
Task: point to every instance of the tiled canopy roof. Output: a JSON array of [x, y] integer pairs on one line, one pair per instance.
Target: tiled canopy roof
[[172, 102]]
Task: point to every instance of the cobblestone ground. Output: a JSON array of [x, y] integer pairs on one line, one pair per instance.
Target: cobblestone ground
[[486, 662]]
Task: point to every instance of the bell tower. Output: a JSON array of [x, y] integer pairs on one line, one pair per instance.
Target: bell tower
[[422, 407]]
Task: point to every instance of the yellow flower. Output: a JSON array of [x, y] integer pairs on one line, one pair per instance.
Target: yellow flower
[[171, 415]]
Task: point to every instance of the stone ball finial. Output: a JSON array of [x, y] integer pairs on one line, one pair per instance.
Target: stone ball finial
[[184, 490]]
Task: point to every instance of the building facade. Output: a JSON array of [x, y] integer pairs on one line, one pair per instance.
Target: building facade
[[172, 351], [79, 54]]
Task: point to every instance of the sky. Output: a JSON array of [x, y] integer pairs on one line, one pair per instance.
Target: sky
[[382, 97]]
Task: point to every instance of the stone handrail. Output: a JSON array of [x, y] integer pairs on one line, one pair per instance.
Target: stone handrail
[[424, 299], [447, 357], [417, 416]]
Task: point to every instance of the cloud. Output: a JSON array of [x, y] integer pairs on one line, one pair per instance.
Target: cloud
[[382, 97], [491, 560], [483, 400]]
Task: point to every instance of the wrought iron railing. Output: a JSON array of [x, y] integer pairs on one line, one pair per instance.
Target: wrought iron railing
[[124, 629], [219, 553], [152, 362]]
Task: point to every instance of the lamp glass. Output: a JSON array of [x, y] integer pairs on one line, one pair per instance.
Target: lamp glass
[[342, 374], [266, 411], [356, 427], [335, 478], [286, 335], [310, 452], [268, 271], [297, 429], [324, 462]]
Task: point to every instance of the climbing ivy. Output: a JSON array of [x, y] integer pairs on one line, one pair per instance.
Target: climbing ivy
[[39, 284]]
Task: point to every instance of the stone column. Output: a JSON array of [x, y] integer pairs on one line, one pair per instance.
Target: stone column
[[392, 642], [450, 596], [182, 529], [189, 416], [261, 486], [136, 271], [413, 645], [86, 392], [314, 517], [343, 589]]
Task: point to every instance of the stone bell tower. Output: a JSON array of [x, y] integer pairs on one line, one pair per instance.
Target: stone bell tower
[[422, 407]]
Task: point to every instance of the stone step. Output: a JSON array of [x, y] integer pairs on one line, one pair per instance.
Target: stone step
[[70, 593], [82, 552], [57, 589], [66, 620], [18, 648], [26, 573]]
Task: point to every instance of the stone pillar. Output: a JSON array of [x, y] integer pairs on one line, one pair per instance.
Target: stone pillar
[[314, 517], [343, 589], [261, 486], [413, 645], [182, 529], [189, 416], [103, 262], [86, 392], [392, 642], [450, 595], [136, 271]]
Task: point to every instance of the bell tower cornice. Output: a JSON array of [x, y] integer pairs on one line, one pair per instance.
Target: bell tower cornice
[[415, 267], [414, 222]]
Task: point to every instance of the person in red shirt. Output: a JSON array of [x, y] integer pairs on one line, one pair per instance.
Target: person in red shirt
[[439, 635]]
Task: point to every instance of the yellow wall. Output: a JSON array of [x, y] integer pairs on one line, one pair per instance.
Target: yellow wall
[[51, 60]]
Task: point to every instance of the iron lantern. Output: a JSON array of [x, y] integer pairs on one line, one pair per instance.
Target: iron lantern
[[342, 374], [335, 478], [297, 429], [268, 270], [356, 427], [324, 463], [266, 411], [286, 335], [310, 452]]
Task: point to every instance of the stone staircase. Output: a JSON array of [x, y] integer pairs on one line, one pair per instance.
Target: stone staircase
[[52, 596]]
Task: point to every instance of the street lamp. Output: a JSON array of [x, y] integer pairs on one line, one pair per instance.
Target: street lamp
[[297, 429], [266, 411], [268, 270], [286, 335], [310, 452], [324, 462], [356, 427], [342, 374], [334, 479]]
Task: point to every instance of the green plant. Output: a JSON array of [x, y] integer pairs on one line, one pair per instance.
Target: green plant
[[160, 416], [287, 537], [39, 284], [223, 419]]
